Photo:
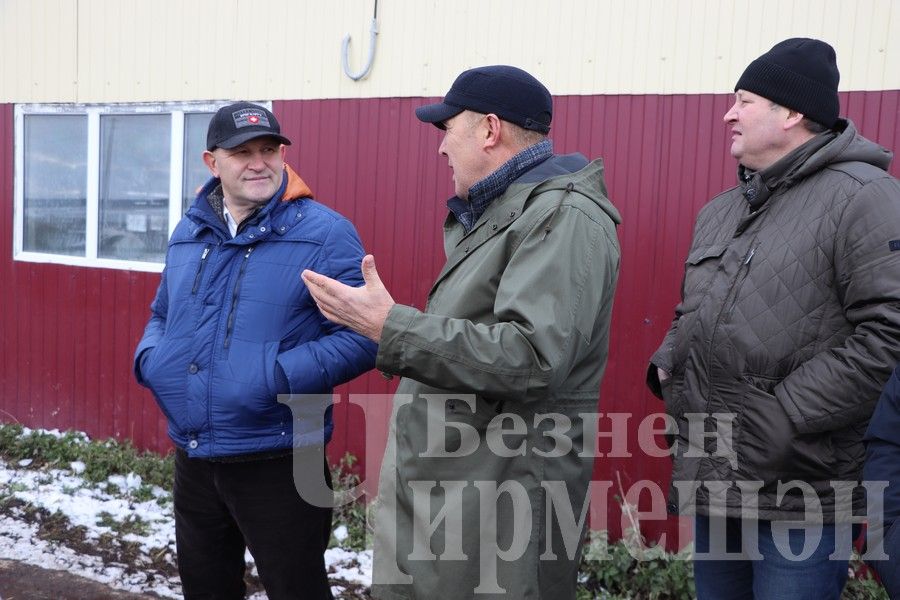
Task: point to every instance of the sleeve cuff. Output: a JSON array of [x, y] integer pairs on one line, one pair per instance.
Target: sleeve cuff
[[282, 384], [653, 381], [390, 346]]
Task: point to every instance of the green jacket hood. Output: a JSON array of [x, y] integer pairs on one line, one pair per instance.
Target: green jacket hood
[[560, 171]]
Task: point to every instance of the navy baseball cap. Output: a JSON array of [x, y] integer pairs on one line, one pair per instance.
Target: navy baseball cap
[[508, 92], [241, 122]]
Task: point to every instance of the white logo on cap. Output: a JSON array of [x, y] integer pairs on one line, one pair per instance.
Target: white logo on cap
[[247, 117]]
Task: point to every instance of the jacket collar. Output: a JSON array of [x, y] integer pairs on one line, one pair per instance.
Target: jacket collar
[[758, 186], [562, 173]]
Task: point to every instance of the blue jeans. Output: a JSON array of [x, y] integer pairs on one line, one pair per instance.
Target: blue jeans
[[775, 566]]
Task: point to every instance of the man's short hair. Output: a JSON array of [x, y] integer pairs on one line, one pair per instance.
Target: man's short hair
[[814, 126], [525, 137]]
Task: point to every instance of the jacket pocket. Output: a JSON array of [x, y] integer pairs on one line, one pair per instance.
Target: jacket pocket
[[140, 368], [699, 271], [453, 422], [769, 446], [474, 410], [164, 370], [666, 391], [244, 386], [702, 253]]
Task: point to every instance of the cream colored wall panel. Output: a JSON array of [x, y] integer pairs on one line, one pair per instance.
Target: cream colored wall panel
[[862, 33], [38, 57], [152, 50]]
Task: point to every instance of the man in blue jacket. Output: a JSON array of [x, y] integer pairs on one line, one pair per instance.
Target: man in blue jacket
[[883, 467], [232, 329]]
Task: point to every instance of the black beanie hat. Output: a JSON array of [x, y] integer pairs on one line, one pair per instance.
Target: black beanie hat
[[800, 74]]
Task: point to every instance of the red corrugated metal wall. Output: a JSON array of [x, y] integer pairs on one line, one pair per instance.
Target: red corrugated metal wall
[[67, 334]]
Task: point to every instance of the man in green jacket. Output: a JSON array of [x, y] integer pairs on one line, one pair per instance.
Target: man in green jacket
[[484, 484], [788, 328]]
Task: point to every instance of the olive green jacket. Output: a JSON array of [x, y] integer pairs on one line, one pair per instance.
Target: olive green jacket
[[517, 324]]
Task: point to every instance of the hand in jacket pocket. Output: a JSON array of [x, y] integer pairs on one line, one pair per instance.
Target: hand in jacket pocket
[[771, 448]]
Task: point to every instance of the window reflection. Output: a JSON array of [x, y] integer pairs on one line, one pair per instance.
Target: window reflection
[[195, 171], [134, 187], [55, 179], [96, 182]]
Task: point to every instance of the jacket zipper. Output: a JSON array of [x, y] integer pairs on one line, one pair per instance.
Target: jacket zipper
[[199, 274], [739, 280], [228, 331], [235, 294]]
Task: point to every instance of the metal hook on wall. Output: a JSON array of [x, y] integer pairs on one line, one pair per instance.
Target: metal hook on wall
[[345, 50]]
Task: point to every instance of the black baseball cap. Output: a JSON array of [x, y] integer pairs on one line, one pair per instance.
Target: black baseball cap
[[508, 92], [241, 122]]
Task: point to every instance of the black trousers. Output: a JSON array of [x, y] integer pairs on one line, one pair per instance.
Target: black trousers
[[221, 508]]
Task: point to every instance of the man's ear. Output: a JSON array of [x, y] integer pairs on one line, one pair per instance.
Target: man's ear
[[210, 159], [793, 119], [493, 128]]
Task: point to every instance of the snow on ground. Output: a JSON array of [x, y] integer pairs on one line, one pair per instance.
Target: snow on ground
[[19, 541], [150, 525]]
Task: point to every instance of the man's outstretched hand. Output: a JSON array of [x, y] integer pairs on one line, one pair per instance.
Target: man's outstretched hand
[[363, 309]]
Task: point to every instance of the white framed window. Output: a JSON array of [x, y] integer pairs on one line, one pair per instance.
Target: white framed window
[[105, 185]]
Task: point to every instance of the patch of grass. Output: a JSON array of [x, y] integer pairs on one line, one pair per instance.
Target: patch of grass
[[56, 528], [354, 515], [629, 569], [101, 458], [15, 486], [143, 493], [132, 524], [862, 585]]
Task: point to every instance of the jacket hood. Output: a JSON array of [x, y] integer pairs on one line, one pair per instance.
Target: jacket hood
[[560, 171], [848, 146], [557, 164], [296, 187]]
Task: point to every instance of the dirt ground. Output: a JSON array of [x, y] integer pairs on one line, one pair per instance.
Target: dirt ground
[[19, 581]]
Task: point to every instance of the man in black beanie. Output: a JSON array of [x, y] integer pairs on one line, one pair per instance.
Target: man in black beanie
[[787, 330]]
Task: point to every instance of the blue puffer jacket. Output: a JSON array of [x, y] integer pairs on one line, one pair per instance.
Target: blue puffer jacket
[[883, 446], [233, 326]]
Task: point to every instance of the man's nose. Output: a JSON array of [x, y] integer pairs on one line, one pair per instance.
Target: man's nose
[[731, 115], [256, 161]]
